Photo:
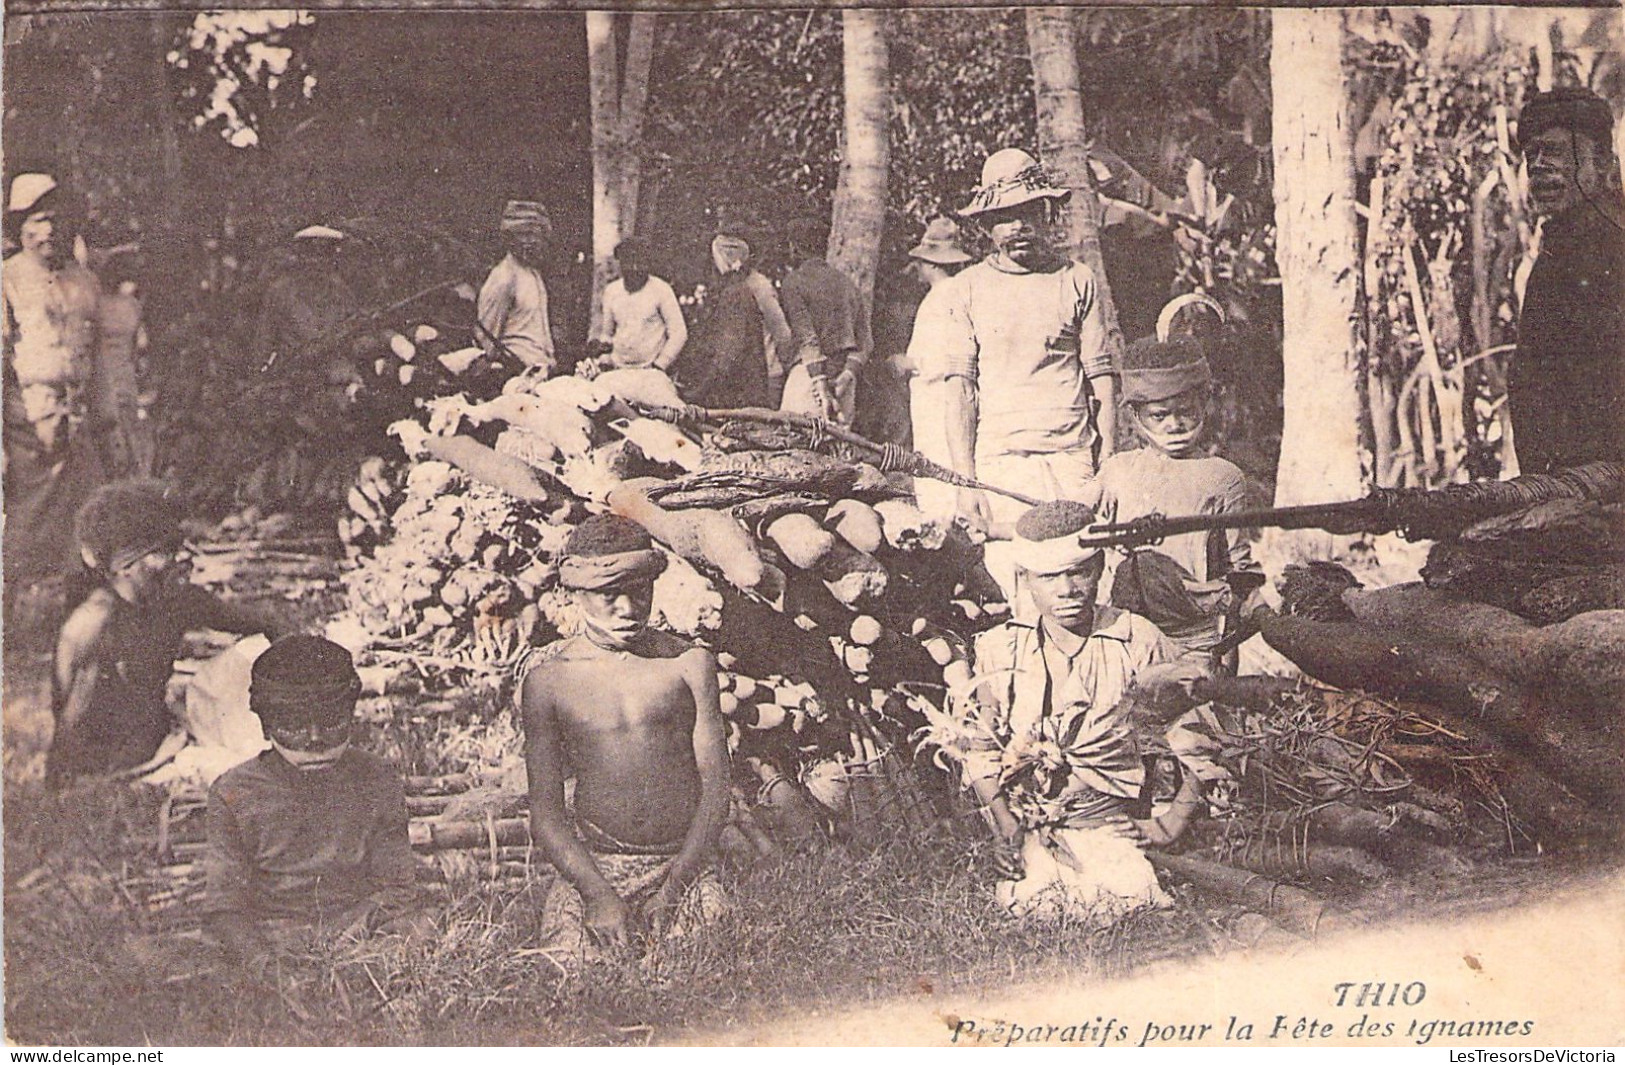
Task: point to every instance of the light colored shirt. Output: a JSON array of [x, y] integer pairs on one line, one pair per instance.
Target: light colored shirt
[[1145, 481], [1043, 681], [1029, 342], [643, 328], [51, 321], [513, 308]]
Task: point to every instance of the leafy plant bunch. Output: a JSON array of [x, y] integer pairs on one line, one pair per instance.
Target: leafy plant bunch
[[1447, 177]]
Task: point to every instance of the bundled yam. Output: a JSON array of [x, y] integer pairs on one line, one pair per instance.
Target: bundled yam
[[703, 537], [1292, 908], [1573, 531], [1502, 641], [1561, 598]]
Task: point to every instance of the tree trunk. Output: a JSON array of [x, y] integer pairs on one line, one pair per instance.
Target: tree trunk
[[1063, 143], [603, 88], [640, 50], [860, 196], [1316, 250], [617, 102]]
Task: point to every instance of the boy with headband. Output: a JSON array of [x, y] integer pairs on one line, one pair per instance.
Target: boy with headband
[[1189, 583], [632, 713]]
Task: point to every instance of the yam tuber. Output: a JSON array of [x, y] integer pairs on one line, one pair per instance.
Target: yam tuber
[[804, 543], [852, 576], [857, 523], [643, 385], [483, 464], [1537, 656], [907, 527]]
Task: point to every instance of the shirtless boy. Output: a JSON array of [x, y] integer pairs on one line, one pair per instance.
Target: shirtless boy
[[632, 714]]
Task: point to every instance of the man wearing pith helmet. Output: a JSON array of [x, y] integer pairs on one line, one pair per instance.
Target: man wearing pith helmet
[[1021, 344]]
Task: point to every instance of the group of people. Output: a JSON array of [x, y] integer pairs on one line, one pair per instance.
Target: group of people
[[1014, 383]]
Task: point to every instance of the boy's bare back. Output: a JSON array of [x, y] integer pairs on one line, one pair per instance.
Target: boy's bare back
[[624, 723]]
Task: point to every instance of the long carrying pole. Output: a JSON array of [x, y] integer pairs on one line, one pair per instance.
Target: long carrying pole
[[888, 456], [1416, 513]]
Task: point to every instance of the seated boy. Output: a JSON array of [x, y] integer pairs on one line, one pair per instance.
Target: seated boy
[[309, 836], [632, 713], [118, 646], [1051, 749], [1188, 583]]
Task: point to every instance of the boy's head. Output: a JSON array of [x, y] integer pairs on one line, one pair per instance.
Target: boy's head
[[1166, 384], [304, 689], [612, 563], [1061, 574], [130, 533]]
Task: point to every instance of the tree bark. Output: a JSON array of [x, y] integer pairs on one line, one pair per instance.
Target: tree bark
[[860, 194], [603, 89], [1316, 249], [1063, 142]]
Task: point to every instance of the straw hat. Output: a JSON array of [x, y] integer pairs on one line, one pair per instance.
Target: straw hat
[[940, 245], [319, 232], [27, 190], [1011, 177]]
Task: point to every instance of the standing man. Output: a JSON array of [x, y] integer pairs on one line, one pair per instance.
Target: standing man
[[513, 301], [643, 322], [50, 305], [1566, 385], [830, 325], [1021, 345]]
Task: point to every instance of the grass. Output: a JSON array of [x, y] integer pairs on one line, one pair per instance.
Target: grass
[[842, 925]]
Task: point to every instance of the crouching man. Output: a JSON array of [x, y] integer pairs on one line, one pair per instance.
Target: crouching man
[[308, 840], [1048, 744], [632, 714]]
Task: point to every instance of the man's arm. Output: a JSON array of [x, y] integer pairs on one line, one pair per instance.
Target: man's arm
[[228, 906], [390, 864], [607, 914], [209, 611], [803, 331], [671, 312], [1096, 351], [961, 429], [773, 319], [711, 759], [74, 669], [1105, 390], [495, 300]]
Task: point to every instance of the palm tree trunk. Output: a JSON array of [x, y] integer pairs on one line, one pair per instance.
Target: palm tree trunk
[[860, 195], [1316, 247], [1063, 143]]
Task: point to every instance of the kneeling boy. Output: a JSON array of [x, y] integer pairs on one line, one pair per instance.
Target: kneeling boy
[[309, 836], [632, 713]]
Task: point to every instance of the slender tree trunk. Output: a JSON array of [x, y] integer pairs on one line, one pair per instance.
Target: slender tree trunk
[[860, 195], [617, 99], [603, 88], [640, 50], [1316, 251], [1063, 142]]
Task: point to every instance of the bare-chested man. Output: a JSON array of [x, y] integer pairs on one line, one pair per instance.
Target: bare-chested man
[[632, 714]]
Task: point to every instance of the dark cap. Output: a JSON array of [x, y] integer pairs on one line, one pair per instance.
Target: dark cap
[[1570, 107], [304, 679]]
